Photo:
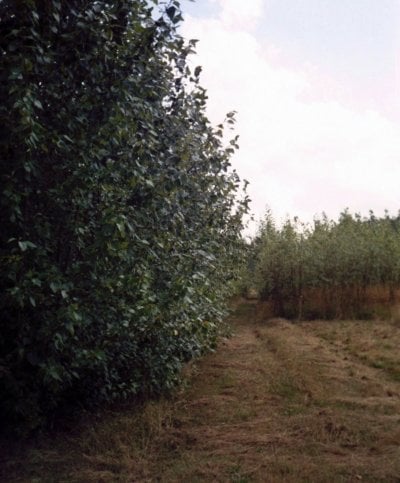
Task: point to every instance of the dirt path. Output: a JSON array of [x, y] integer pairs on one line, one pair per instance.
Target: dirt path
[[278, 402]]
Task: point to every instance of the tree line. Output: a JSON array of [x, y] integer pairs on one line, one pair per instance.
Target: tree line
[[121, 217], [328, 269]]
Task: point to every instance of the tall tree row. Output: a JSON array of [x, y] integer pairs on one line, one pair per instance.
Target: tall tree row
[[329, 269], [120, 215]]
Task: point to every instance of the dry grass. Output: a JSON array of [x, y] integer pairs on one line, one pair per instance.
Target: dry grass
[[278, 402]]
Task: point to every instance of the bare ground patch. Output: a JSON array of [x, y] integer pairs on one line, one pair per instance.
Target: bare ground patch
[[277, 402]]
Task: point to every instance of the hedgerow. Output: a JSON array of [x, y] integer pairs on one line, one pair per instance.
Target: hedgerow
[[121, 217]]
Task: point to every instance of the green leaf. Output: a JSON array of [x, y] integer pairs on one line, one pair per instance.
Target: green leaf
[[25, 245], [53, 373], [171, 12]]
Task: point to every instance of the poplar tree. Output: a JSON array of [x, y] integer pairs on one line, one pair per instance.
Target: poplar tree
[[121, 217]]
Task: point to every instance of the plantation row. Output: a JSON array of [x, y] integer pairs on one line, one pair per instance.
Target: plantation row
[[332, 269], [121, 218]]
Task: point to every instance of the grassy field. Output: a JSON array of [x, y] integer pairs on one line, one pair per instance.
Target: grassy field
[[278, 402]]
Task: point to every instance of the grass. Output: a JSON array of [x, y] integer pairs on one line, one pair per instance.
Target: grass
[[375, 343], [277, 402]]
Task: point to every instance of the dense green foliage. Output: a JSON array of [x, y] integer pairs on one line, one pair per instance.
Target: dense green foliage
[[329, 269], [121, 219]]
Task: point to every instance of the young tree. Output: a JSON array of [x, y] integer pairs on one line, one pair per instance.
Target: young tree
[[329, 269]]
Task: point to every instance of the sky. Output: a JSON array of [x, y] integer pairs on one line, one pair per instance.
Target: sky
[[315, 84]]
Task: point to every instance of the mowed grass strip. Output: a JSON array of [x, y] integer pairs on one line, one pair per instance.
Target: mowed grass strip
[[277, 402], [375, 343]]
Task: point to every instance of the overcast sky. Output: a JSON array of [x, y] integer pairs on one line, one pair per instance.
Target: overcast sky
[[316, 87]]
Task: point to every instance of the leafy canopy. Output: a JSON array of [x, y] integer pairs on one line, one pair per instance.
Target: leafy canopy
[[121, 217]]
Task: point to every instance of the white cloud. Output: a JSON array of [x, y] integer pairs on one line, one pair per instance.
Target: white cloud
[[302, 148], [240, 13]]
